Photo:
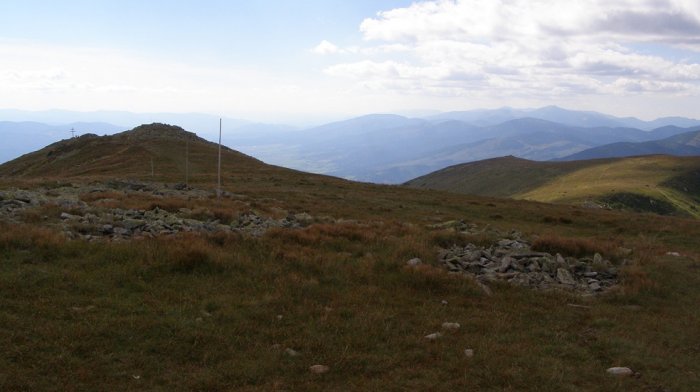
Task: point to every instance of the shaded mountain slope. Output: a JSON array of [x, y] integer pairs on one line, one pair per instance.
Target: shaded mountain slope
[[637, 183], [685, 144]]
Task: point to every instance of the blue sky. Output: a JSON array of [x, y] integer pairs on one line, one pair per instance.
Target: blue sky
[[296, 61]]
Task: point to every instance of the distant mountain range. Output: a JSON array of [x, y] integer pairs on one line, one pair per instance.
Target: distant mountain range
[[383, 148], [393, 149], [19, 138], [556, 114], [684, 144]]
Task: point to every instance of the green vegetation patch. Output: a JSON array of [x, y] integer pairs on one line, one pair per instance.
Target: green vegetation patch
[[640, 203], [688, 183]]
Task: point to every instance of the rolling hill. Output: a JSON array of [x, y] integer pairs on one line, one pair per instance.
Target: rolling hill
[[661, 184], [685, 144], [131, 154]]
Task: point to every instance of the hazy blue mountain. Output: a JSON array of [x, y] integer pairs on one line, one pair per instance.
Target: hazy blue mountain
[[193, 121], [19, 138], [562, 116], [684, 144], [392, 149], [528, 138]]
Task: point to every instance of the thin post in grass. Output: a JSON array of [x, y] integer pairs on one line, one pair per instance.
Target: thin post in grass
[[187, 163], [218, 187]]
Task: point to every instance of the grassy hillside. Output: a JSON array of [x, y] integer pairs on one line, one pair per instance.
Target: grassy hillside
[[217, 311], [603, 181], [130, 154]]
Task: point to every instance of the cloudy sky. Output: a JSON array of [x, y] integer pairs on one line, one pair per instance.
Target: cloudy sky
[[312, 60]]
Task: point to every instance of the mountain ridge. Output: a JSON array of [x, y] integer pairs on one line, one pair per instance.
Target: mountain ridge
[[683, 144], [627, 183]]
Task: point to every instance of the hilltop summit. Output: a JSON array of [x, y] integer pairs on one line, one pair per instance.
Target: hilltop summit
[[158, 131], [149, 151]]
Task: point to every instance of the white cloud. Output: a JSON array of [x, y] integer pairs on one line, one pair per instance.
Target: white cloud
[[38, 76], [544, 48], [325, 47]]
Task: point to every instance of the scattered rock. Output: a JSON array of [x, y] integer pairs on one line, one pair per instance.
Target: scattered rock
[[434, 336], [291, 352], [486, 289], [620, 371], [67, 216], [414, 262], [674, 254], [450, 326], [100, 221], [83, 309], [512, 259], [468, 352], [564, 277], [319, 369]]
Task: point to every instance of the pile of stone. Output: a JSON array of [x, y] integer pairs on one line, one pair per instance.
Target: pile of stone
[[82, 221], [514, 261], [121, 224]]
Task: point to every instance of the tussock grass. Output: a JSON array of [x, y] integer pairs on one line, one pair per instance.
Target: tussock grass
[[577, 247], [200, 312]]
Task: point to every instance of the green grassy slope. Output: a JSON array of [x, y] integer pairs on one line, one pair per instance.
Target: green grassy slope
[[577, 182], [497, 177]]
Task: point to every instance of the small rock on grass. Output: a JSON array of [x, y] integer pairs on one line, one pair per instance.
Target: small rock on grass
[[433, 336], [414, 262], [468, 352], [486, 289], [620, 371], [291, 352], [450, 326], [319, 369]]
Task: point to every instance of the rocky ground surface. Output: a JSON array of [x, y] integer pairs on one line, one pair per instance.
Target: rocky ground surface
[[514, 261], [81, 220], [510, 258]]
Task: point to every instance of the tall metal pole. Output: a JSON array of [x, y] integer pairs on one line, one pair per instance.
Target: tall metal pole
[[218, 189]]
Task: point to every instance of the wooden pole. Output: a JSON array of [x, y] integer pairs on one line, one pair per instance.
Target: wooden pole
[[218, 189]]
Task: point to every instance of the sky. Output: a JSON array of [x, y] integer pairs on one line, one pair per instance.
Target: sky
[[307, 61]]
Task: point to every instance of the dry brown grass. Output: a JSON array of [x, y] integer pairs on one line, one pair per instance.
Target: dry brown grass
[[95, 196], [29, 237], [577, 247]]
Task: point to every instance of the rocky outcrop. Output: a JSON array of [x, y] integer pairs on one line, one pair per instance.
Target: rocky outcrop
[[514, 261]]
